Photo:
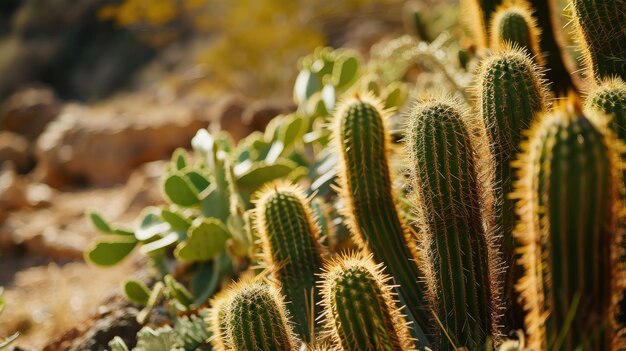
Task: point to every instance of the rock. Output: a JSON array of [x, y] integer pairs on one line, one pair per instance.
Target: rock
[[12, 192], [29, 111], [102, 145], [121, 322], [259, 113]]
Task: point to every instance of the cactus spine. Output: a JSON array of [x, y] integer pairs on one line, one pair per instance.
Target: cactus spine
[[359, 308], [254, 319], [372, 213], [290, 238], [609, 98], [510, 92], [514, 25], [601, 31], [453, 209], [568, 207]]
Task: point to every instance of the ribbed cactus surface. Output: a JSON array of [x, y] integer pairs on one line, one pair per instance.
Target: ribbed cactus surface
[[255, 320], [513, 25], [569, 203], [601, 29], [290, 235], [609, 98], [217, 321], [359, 309], [366, 185], [453, 209], [510, 93]]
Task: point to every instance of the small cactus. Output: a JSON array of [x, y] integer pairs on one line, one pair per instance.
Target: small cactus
[[289, 236], [453, 207], [601, 31], [510, 93], [372, 211], [569, 229], [481, 13], [252, 318], [217, 321], [513, 24], [609, 98], [359, 308]]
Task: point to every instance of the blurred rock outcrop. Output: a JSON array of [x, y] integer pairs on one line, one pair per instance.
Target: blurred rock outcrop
[[28, 112]]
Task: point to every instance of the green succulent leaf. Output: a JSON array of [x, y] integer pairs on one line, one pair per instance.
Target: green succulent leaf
[[180, 190], [100, 223], [162, 243], [118, 344], [178, 292], [180, 159], [307, 84], [199, 181], [216, 204], [151, 224], [261, 173], [206, 240], [109, 250], [136, 291], [175, 220], [345, 72]]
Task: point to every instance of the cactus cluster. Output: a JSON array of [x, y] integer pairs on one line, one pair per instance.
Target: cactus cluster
[[490, 208]]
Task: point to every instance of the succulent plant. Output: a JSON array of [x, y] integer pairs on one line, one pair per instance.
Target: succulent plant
[[252, 317], [570, 231], [609, 98], [600, 31], [290, 238], [452, 201], [510, 93], [371, 209], [514, 25], [360, 310]]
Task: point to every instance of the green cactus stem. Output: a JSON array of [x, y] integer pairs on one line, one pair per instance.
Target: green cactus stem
[[359, 308], [601, 31], [252, 317], [609, 98], [453, 208], [510, 93], [290, 246], [569, 231], [371, 208], [514, 25]]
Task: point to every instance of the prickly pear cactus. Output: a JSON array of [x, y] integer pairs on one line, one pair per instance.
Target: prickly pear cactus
[[514, 25], [601, 31], [570, 233], [453, 209], [510, 93], [365, 184], [254, 319], [290, 236], [359, 307]]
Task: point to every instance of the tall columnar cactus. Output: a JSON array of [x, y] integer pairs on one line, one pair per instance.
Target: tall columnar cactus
[[290, 238], [570, 230], [254, 319], [481, 14], [514, 25], [453, 206], [601, 31], [609, 98], [359, 308], [372, 212], [510, 92]]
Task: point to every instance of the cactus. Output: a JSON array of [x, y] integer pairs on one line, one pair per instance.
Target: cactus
[[371, 208], [217, 321], [601, 32], [513, 24], [609, 98], [359, 307], [510, 92], [453, 207], [480, 14], [569, 229], [290, 236], [252, 317]]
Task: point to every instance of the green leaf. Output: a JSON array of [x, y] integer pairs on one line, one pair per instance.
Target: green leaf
[[118, 344], [345, 72], [155, 297], [307, 83], [199, 181], [181, 191], [100, 223], [178, 292], [261, 173], [179, 158], [136, 291], [216, 204], [293, 130], [175, 220], [161, 243], [205, 241], [151, 224], [109, 250]]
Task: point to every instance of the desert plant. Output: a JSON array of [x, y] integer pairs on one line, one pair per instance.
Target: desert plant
[[290, 239], [365, 184], [570, 232], [513, 24], [452, 200], [360, 310], [609, 98]]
